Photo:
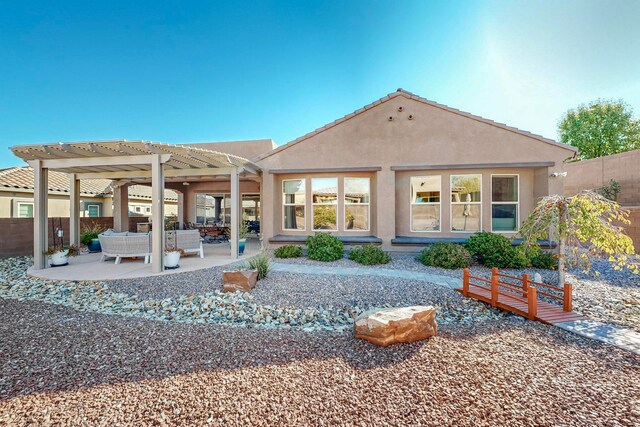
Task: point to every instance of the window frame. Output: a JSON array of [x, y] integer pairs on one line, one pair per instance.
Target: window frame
[[88, 205], [32, 204], [284, 204], [411, 204], [452, 203], [517, 203], [344, 202], [336, 204]]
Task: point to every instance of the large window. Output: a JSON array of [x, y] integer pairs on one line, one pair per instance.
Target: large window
[[294, 198], [504, 203], [25, 210], [356, 204], [425, 203], [93, 210], [324, 203], [251, 207], [466, 203]]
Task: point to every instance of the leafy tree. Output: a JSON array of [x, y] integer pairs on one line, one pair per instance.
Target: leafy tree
[[600, 128], [585, 225]]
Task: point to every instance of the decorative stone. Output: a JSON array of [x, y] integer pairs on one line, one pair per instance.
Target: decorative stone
[[239, 280], [399, 324]]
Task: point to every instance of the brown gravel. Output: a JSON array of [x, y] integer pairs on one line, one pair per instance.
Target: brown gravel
[[62, 367]]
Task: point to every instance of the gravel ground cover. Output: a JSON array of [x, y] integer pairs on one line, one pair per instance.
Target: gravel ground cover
[[284, 300], [60, 366], [613, 296]]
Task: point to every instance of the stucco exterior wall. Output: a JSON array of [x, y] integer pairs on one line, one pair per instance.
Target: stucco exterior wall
[[433, 136]]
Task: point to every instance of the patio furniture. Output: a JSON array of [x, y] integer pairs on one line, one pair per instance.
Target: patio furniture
[[125, 245], [129, 245], [187, 240]]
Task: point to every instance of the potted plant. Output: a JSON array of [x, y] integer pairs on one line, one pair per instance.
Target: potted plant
[[58, 253], [244, 233], [172, 252], [89, 237]]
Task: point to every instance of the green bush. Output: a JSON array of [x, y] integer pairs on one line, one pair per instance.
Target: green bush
[[288, 251], [261, 263], [495, 250], [324, 247], [369, 255], [545, 260], [445, 255]]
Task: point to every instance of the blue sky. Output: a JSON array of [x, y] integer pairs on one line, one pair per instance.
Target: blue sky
[[198, 71]]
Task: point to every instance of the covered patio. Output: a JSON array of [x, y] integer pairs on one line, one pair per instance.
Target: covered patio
[[134, 162]]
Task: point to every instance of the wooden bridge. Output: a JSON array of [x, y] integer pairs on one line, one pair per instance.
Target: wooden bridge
[[520, 295]]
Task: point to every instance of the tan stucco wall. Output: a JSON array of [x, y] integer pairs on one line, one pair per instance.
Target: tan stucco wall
[[247, 149], [433, 137]]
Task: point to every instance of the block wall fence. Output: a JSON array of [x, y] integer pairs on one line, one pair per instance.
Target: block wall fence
[[16, 234], [594, 173]]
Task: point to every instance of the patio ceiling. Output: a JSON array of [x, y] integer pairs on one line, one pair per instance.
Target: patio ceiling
[[130, 159]]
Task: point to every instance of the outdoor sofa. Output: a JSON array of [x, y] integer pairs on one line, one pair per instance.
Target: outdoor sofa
[[126, 244]]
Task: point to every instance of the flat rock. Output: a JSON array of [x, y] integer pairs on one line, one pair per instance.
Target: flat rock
[[398, 324], [239, 280]]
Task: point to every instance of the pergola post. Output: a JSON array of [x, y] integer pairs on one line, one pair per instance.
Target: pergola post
[[235, 210], [121, 207], [40, 213], [74, 210], [181, 209], [157, 215]]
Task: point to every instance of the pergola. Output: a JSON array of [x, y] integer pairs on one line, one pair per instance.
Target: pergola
[[133, 161]]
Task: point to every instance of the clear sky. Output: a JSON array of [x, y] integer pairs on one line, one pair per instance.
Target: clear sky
[[194, 71]]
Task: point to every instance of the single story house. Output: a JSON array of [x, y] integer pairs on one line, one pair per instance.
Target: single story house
[[401, 172]]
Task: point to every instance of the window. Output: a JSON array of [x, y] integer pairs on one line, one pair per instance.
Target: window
[[356, 204], [148, 209], [466, 203], [93, 210], [25, 210], [425, 203], [325, 203], [504, 203], [251, 207], [293, 201], [138, 209]]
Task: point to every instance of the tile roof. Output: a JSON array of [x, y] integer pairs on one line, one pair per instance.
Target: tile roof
[[409, 95], [22, 178]]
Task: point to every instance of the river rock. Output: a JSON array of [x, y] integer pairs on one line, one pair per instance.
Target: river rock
[[398, 324]]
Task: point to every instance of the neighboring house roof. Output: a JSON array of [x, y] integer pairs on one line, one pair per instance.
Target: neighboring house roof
[[21, 178], [409, 95]]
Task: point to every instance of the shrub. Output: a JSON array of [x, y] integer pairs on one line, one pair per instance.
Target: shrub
[[324, 247], [288, 251], [494, 250], [261, 263], [369, 255], [545, 260], [445, 255], [90, 232]]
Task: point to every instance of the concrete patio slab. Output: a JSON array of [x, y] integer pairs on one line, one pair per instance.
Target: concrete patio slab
[[89, 267]]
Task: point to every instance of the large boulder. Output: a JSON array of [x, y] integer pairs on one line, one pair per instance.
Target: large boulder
[[399, 324], [239, 280]]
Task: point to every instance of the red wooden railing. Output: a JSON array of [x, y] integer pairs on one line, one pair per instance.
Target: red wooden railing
[[524, 290]]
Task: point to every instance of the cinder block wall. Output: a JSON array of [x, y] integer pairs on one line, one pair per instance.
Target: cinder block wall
[[16, 234], [594, 173]]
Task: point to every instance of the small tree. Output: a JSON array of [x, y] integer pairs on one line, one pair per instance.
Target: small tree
[[585, 226], [600, 128]]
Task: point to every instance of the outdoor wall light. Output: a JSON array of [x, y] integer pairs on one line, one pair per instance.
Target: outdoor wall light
[[558, 174]]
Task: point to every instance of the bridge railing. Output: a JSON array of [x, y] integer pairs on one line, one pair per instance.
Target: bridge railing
[[522, 289]]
